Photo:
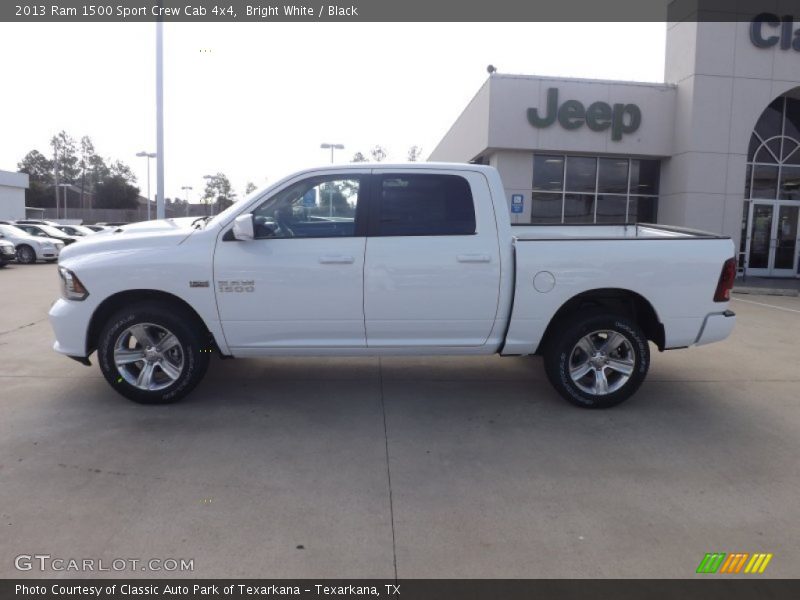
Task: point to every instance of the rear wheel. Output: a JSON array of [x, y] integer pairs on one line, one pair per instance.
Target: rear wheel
[[598, 361], [25, 254], [153, 355]]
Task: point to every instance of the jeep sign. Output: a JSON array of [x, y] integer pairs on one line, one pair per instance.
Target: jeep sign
[[598, 116]]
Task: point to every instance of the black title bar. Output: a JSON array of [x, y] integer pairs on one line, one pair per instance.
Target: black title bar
[[389, 10], [707, 588]]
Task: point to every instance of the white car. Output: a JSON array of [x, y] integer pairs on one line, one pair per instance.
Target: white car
[[30, 248], [410, 259], [7, 253]]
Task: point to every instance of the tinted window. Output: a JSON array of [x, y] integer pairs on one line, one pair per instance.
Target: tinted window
[[424, 205]]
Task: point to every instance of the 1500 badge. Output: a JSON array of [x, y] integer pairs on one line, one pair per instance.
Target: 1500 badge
[[245, 285]]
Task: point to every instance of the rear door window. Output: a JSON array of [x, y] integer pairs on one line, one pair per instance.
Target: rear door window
[[423, 205]]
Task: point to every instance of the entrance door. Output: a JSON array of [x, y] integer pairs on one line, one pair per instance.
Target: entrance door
[[773, 242]]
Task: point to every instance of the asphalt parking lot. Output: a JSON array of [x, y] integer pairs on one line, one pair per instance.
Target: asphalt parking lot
[[431, 467]]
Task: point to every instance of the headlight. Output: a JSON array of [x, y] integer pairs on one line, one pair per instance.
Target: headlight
[[71, 286], [46, 244]]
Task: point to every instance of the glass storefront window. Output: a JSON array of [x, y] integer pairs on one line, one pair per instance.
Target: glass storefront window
[[579, 208], [765, 182], [748, 176], [545, 207], [642, 209], [790, 183], [581, 174], [592, 189], [613, 176], [548, 173], [644, 176], [612, 208], [791, 126]]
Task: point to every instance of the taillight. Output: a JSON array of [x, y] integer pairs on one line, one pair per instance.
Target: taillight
[[726, 279]]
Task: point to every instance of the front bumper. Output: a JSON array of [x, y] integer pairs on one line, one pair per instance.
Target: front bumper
[[7, 254], [70, 322], [716, 327]]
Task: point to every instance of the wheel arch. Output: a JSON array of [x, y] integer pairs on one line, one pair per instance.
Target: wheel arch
[[116, 301], [617, 300]]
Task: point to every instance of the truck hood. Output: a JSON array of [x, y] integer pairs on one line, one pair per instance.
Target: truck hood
[[148, 234]]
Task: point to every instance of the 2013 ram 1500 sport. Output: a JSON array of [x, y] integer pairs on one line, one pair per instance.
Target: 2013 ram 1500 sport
[[389, 259]]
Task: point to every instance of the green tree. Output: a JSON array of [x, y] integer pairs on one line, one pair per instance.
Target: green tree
[[250, 187], [66, 157], [414, 153], [87, 151], [120, 169], [40, 174], [358, 157], [378, 153], [115, 192], [219, 192]]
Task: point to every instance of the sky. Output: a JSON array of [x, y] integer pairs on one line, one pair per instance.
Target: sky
[[256, 100]]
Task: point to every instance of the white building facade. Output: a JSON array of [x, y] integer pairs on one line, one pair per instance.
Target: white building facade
[[12, 195], [715, 147]]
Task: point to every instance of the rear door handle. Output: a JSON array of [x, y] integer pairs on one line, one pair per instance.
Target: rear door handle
[[336, 260], [474, 258]]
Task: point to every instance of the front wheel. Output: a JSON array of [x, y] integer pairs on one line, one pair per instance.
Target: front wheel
[[153, 355], [26, 255], [598, 361]]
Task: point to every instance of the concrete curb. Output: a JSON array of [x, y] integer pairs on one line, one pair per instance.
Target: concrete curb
[[766, 291]]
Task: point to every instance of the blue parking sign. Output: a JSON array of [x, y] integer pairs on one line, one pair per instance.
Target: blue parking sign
[[517, 203]]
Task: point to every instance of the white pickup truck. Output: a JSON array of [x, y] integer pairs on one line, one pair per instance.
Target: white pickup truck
[[412, 259]]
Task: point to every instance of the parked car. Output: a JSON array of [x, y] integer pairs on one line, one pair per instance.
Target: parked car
[[48, 231], [30, 248], [97, 228], [413, 259], [7, 253], [75, 230], [114, 224], [35, 222]]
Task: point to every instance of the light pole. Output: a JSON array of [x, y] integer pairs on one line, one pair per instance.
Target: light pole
[[187, 189], [66, 187], [333, 147], [147, 155]]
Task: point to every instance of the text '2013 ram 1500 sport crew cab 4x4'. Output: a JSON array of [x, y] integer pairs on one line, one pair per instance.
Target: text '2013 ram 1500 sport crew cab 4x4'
[[393, 259]]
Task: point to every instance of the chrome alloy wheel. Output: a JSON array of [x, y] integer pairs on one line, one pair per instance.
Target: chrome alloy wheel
[[602, 362], [148, 356]]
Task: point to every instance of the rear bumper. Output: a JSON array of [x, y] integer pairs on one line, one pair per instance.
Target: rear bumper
[[716, 327]]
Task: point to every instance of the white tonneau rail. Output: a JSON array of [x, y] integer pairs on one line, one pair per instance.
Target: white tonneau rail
[[611, 232]]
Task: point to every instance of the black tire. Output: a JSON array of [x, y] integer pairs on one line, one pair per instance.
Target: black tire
[[25, 254], [193, 342], [564, 356]]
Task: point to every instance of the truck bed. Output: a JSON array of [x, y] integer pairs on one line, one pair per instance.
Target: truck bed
[[675, 270]]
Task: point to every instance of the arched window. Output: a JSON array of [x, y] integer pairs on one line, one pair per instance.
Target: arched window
[[773, 158]]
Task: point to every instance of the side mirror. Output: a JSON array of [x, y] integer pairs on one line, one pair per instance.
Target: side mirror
[[243, 228]]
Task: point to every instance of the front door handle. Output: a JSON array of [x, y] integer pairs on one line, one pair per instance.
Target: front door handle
[[474, 258], [336, 260]]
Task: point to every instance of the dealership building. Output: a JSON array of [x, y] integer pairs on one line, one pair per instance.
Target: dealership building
[[714, 147]]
